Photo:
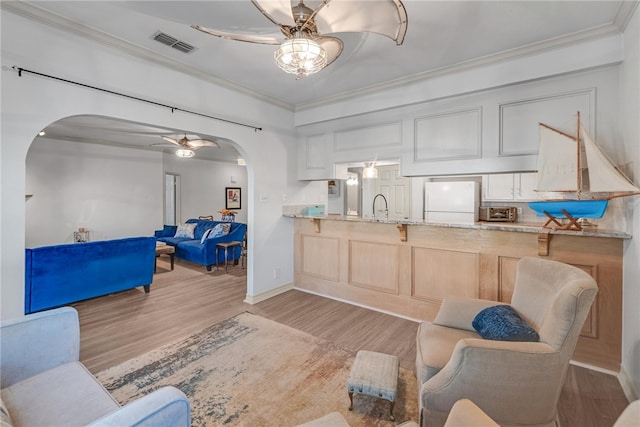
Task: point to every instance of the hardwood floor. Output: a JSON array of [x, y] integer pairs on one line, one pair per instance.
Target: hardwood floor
[[117, 327]]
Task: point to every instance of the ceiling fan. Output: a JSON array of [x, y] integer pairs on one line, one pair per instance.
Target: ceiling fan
[[306, 48], [188, 146]]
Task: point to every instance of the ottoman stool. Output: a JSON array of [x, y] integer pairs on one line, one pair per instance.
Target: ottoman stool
[[374, 374]]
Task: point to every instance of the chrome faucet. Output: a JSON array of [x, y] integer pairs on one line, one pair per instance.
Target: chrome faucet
[[386, 207]]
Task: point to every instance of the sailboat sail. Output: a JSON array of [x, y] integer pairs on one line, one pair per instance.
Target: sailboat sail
[[557, 161], [559, 170], [603, 176]]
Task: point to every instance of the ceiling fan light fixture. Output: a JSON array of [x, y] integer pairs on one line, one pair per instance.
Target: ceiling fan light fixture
[[301, 56], [185, 153]]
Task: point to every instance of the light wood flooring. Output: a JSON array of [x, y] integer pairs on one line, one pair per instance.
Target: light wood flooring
[[117, 327]]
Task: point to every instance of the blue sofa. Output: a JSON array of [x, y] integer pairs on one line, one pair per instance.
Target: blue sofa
[[203, 253], [61, 274]]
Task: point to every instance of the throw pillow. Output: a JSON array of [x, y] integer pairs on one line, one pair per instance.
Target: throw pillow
[[185, 230], [503, 323], [205, 235], [220, 230]]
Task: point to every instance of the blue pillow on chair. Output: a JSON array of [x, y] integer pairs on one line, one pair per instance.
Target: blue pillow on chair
[[503, 323]]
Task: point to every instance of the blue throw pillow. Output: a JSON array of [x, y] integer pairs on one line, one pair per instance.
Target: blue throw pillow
[[503, 323]]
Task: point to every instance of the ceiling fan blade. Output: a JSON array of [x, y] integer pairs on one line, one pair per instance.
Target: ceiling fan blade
[[385, 17], [171, 140], [199, 143], [249, 38], [162, 144], [276, 11], [332, 45]]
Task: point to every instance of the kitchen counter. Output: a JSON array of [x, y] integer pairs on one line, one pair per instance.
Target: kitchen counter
[[498, 226], [407, 267]]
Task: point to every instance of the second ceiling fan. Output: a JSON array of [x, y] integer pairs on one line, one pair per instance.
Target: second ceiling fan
[[306, 48], [187, 147]]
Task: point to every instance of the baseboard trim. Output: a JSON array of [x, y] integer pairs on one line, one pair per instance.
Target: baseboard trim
[[390, 313], [627, 385], [594, 368], [254, 299]]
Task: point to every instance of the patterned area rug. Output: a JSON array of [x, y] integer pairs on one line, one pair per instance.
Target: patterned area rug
[[251, 371]]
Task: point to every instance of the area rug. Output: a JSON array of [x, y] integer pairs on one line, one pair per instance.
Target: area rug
[[251, 371]]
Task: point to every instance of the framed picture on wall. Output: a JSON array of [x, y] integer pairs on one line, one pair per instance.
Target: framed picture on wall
[[232, 198]]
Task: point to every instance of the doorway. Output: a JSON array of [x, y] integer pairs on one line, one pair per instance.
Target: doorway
[[171, 198]]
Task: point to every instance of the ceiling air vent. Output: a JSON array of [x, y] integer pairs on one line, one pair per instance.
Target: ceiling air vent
[[173, 42]]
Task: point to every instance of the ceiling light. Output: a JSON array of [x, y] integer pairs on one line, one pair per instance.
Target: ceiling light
[[241, 162], [301, 56], [369, 171], [42, 133], [185, 152]]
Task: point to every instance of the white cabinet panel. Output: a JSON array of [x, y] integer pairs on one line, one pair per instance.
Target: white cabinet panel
[[313, 158], [525, 185], [456, 135], [518, 187], [497, 187]]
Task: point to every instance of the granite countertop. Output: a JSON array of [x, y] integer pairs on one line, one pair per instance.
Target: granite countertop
[[499, 226]]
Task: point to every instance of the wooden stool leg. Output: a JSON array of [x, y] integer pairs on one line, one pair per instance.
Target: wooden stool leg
[[351, 400], [391, 417]]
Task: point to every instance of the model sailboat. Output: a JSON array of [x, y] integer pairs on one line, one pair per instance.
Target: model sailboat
[[561, 162]]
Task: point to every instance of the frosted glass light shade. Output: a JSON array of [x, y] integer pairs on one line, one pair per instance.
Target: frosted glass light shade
[[184, 152], [300, 56]]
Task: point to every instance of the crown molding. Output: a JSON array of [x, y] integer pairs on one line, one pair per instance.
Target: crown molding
[[53, 20], [27, 10], [625, 13], [507, 55]]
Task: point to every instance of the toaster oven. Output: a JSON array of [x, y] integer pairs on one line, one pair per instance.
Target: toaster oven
[[498, 213]]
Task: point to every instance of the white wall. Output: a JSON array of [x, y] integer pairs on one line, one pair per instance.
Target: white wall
[[630, 130], [115, 192], [202, 184], [30, 103]]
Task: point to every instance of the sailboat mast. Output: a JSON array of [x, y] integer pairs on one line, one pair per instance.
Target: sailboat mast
[[579, 172]]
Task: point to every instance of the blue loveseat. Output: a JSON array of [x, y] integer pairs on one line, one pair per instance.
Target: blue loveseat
[[203, 253], [61, 274]]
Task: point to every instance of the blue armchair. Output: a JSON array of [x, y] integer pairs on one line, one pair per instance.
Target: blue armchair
[[44, 383]]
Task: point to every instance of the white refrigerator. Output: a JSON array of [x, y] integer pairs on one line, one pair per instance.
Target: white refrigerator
[[454, 202]]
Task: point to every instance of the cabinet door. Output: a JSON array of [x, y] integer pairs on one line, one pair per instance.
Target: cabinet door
[[525, 184], [497, 186]]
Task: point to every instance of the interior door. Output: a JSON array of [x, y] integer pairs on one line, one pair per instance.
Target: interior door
[[396, 189]]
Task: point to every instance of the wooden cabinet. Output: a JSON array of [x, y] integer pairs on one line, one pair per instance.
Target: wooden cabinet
[[512, 187]]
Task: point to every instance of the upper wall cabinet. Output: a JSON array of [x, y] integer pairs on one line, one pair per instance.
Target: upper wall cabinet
[[509, 187], [494, 131], [314, 158], [325, 156]]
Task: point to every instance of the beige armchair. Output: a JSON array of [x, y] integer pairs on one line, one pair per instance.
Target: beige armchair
[[515, 383]]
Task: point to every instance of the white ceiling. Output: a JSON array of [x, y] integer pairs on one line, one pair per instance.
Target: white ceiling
[[440, 35]]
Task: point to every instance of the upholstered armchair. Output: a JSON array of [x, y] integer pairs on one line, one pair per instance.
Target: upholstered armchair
[[44, 383], [515, 383]]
